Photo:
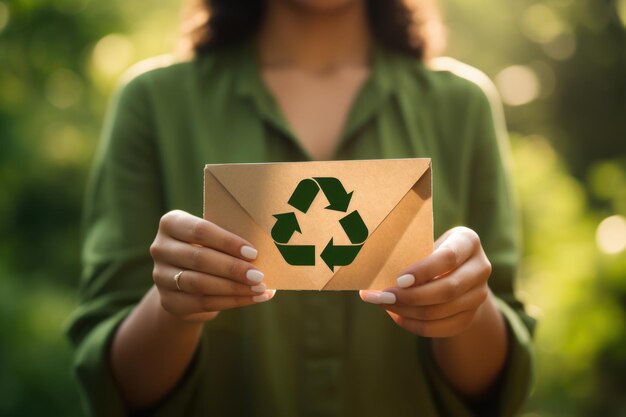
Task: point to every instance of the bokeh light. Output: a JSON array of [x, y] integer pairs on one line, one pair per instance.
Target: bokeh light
[[63, 143], [605, 178], [611, 235], [542, 24], [112, 54], [621, 11], [4, 15], [64, 88], [518, 85], [561, 47]]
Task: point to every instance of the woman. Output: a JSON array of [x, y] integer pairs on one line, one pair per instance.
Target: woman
[[288, 80]]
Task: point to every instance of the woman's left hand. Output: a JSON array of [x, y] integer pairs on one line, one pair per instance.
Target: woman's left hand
[[440, 295]]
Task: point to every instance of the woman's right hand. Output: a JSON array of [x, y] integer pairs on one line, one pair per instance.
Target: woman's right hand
[[216, 272]]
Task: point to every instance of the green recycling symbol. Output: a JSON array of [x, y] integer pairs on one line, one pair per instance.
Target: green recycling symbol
[[301, 199]]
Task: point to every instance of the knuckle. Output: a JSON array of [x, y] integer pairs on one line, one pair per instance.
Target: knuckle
[[233, 287], [156, 270], [483, 294], [164, 221], [155, 249], [166, 304], [237, 269], [229, 243], [198, 261], [199, 231], [191, 282], [449, 257], [487, 268], [168, 218], [471, 235]]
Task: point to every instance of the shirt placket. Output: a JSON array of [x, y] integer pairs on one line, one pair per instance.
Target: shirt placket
[[324, 316], [322, 344]]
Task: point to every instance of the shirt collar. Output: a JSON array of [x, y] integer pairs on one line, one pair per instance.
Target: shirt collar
[[249, 82], [373, 95]]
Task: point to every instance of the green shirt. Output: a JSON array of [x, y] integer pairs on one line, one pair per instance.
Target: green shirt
[[303, 353]]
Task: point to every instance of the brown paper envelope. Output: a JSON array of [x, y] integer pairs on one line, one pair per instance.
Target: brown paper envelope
[[393, 198]]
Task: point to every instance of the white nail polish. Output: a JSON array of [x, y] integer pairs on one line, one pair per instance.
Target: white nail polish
[[387, 298], [372, 297], [267, 295], [405, 280], [249, 252], [258, 288], [254, 275]]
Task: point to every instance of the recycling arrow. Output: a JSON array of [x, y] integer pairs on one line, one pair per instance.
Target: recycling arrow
[[303, 195], [301, 199], [337, 196], [286, 225], [335, 255], [354, 227], [297, 254]]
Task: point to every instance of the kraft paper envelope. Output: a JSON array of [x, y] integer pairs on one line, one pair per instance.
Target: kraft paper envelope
[[331, 225]]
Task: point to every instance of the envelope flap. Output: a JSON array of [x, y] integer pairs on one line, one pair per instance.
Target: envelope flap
[[371, 187]]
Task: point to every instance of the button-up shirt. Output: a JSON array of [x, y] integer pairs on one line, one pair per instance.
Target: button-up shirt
[[304, 353]]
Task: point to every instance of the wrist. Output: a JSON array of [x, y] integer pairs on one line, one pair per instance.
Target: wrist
[[487, 316], [472, 359], [164, 318], [486, 313]]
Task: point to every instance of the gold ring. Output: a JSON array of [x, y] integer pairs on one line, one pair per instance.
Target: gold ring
[[177, 279]]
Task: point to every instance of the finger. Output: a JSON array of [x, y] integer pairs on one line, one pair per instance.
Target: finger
[[377, 297], [466, 302], [469, 275], [198, 283], [459, 246], [220, 303], [209, 261], [183, 304], [191, 229], [447, 327], [443, 237]]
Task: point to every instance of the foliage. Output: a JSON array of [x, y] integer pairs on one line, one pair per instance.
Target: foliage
[[558, 64]]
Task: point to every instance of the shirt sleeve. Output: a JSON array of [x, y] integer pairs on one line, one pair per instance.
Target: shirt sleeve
[[122, 210], [492, 214]]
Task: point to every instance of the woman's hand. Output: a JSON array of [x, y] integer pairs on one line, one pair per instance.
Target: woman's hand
[[440, 295], [216, 272]]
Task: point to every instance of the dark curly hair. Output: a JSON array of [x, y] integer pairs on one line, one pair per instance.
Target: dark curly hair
[[412, 28]]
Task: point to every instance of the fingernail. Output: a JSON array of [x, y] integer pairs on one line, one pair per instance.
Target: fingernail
[[249, 252], [267, 295], [405, 280], [254, 275], [371, 297], [258, 288], [387, 298]]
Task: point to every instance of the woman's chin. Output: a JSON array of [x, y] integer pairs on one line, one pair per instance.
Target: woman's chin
[[324, 6]]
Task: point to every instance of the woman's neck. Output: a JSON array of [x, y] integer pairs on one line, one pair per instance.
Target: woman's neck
[[317, 41]]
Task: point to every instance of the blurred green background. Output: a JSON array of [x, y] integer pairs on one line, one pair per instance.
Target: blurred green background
[[560, 67]]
